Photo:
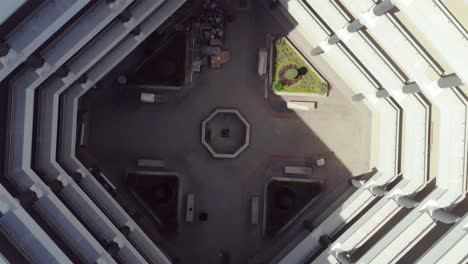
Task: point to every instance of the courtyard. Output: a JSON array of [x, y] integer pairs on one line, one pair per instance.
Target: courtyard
[[338, 131]]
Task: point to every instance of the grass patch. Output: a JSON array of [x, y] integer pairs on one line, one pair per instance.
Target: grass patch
[[286, 55]]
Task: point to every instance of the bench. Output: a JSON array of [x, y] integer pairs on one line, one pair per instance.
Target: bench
[[297, 170], [150, 163], [301, 105], [189, 208], [254, 210]]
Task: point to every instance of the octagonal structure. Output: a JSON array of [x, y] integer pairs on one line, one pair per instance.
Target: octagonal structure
[[225, 133]]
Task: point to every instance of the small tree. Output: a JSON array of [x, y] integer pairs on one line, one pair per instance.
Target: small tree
[[302, 70]]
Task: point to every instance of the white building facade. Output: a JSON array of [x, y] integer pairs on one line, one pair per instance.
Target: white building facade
[[411, 71]]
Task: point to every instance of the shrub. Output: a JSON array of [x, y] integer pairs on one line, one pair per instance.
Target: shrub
[[278, 86], [322, 88], [280, 42]]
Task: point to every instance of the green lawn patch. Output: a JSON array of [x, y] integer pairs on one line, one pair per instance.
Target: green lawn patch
[[292, 74]]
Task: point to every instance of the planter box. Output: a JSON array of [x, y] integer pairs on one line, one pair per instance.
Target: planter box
[[297, 56]]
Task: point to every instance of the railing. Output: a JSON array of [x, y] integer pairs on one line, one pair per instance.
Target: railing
[[452, 18], [440, 31], [26, 234], [405, 32], [36, 30], [9, 9], [69, 109], [451, 248], [345, 63]]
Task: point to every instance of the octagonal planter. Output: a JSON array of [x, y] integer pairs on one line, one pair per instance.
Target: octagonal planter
[[225, 133]]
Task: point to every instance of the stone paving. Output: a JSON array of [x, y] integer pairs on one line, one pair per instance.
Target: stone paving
[[338, 131]]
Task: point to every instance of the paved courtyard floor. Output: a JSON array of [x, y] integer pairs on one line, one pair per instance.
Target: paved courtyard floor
[[338, 130]]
